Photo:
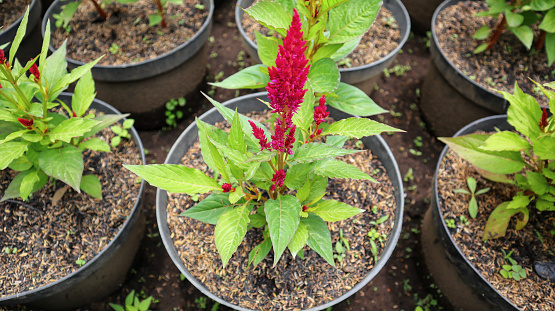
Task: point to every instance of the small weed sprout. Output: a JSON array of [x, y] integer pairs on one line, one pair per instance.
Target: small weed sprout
[[172, 114], [513, 271], [450, 223], [121, 132], [134, 303], [472, 204]]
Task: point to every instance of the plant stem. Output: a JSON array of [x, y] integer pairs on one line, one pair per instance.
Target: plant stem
[[100, 10], [541, 40], [161, 12], [497, 33]]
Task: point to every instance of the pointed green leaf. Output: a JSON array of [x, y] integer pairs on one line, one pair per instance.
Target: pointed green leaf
[[541, 5], [351, 20], [324, 76], [217, 158], [74, 127], [519, 201], [317, 151], [473, 207], [283, 218], [210, 209], [353, 100], [83, 95], [523, 112], [230, 230], [205, 143], [103, 122], [95, 144], [305, 115], [65, 164], [319, 237], [548, 22], [260, 252], [249, 78], [271, 14], [543, 147], [299, 240], [20, 34], [27, 184], [513, 19], [236, 139], [91, 186], [506, 141], [55, 67], [296, 175], [498, 221], [74, 75], [10, 151], [537, 182], [331, 210], [20, 164], [550, 49], [482, 33], [267, 49], [318, 187], [262, 156], [358, 128], [524, 34], [175, 178], [340, 169]]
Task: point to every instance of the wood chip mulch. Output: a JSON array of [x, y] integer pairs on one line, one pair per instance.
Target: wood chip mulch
[[381, 39], [498, 69], [125, 37], [532, 293], [10, 11], [40, 243], [294, 284]]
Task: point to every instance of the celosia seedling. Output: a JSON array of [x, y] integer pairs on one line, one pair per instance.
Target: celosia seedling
[[35, 140], [272, 180]]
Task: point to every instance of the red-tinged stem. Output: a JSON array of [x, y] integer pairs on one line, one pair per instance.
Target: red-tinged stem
[[497, 33], [100, 10], [541, 40], [161, 12]]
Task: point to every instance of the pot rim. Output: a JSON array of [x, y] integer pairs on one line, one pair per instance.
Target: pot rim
[[393, 173], [82, 272], [15, 25]]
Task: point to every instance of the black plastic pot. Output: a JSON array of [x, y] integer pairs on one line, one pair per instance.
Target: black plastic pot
[[450, 99], [457, 278], [421, 12], [363, 77], [106, 271], [143, 88], [246, 104], [32, 41]]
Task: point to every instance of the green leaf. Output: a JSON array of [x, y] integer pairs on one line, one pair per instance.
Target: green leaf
[[350, 20], [541, 5], [154, 19], [74, 127], [482, 47], [258, 221], [10, 151], [471, 182], [83, 95], [21, 164], [545, 205], [353, 100], [74, 75], [299, 239], [319, 237], [270, 14], [267, 49], [175, 178], [19, 35], [217, 158], [324, 76], [519, 201], [500, 162], [358, 128], [513, 19], [103, 122], [296, 175], [505, 141], [498, 221], [145, 304], [236, 138], [65, 164], [550, 48], [259, 252], [331, 210], [340, 169], [283, 217], [230, 230], [346, 49], [236, 195], [27, 184], [473, 207], [116, 307], [317, 151], [537, 182], [326, 51], [318, 186], [548, 22], [91, 186], [252, 77], [482, 33], [205, 143], [95, 144], [210, 209], [305, 115], [524, 34], [262, 156], [523, 112]]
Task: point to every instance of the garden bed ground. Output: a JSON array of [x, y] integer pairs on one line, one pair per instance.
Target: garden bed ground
[[403, 284]]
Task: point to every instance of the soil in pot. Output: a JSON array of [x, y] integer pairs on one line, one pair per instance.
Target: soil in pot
[[381, 39], [294, 283], [126, 37], [530, 245], [49, 237], [10, 11], [499, 68]]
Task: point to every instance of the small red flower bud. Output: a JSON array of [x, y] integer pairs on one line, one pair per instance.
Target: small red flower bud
[[74, 114], [25, 122], [305, 208], [226, 187], [543, 122], [2, 57], [278, 178], [34, 70], [320, 112]]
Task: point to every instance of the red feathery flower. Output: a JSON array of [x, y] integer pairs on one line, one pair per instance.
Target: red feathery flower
[[278, 139], [320, 112], [34, 70], [27, 123], [226, 187], [259, 134], [2, 57], [543, 122], [290, 140], [278, 178]]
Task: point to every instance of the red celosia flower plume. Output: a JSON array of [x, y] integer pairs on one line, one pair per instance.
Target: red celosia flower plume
[[320, 112], [34, 70], [226, 187], [543, 122], [259, 134], [27, 123], [278, 178], [2, 57]]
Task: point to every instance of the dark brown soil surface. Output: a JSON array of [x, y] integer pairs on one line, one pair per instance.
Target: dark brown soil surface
[[41, 241], [499, 68], [531, 293], [403, 283], [10, 11], [91, 37]]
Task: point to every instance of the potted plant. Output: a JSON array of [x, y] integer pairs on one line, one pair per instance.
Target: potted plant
[[343, 40], [132, 68], [421, 12], [273, 181], [12, 17], [482, 238], [461, 81], [65, 230]]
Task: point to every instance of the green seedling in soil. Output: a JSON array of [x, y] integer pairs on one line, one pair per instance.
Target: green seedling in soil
[[418, 141], [374, 250], [415, 152], [514, 270], [463, 220], [408, 176], [121, 131], [134, 303], [373, 234], [114, 49], [340, 249], [81, 262], [399, 70], [172, 114], [519, 17], [450, 223], [427, 303], [472, 204], [201, 302], [379, 221], [10, 250]]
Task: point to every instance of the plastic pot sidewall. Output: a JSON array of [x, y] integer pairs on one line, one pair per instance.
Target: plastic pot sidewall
[[147, 68], [99, 262], [465, 268], [457, 79], [246, 104], [351, 75]]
